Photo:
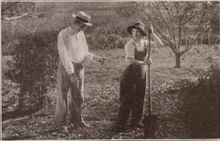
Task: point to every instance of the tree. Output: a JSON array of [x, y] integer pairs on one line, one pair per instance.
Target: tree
[[35, 57], [19, 10], [176, 21]]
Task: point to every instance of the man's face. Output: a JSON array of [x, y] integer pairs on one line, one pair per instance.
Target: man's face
[[83, 26], [136, 33], [79, 26]]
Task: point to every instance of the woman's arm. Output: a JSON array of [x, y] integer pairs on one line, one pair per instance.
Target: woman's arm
[[133, 61], [129, 50]]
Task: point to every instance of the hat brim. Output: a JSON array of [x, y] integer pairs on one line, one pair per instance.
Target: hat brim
[[86, 23], [129, 29]]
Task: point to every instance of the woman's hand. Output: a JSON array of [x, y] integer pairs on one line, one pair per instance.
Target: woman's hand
[[148, 61], [151, 28]]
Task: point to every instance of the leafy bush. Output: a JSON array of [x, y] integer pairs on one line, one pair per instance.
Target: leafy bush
[[108, 35], [207, 82], [34, 67]]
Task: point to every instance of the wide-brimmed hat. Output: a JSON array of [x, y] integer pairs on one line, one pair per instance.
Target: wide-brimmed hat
[[83, 17], [137, 25]]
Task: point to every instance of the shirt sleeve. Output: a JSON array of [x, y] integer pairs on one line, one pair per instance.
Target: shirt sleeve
[[129, 51], [64, 57], [88, 55]]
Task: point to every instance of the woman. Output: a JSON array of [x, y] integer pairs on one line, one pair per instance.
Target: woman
[[133, 81]]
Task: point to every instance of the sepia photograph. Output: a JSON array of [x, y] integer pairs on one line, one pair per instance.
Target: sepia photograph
[[89, 69]]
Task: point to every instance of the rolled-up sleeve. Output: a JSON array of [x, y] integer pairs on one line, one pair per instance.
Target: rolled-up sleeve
[[89, 56], [129, 51], [64, 57]]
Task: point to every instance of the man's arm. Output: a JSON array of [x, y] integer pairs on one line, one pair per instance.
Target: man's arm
[[92, 57], [89, 55], [63, 54]]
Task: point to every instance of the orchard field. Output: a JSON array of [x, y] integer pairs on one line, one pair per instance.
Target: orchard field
[[182, 115], [186, 99]]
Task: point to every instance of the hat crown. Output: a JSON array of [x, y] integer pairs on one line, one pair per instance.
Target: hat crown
[[139, 24], [82, 16]]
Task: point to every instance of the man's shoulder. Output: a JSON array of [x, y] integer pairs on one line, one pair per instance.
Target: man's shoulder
[[63, 31], [81, 33]]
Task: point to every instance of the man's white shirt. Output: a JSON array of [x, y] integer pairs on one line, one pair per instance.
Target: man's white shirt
[[72, 49]]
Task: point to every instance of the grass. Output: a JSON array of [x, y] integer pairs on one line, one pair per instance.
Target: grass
[[177, 111], [102, 101]]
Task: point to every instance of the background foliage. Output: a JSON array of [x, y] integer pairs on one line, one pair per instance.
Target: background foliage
[[30, 59]]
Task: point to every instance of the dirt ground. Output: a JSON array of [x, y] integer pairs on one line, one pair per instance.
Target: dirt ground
[[180, 115]]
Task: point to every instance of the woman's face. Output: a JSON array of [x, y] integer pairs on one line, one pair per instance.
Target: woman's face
[[136, 33]]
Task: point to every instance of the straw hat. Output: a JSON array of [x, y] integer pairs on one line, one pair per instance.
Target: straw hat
[[82, 17]]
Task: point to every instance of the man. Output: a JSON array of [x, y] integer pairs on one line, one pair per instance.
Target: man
[[73, 53]]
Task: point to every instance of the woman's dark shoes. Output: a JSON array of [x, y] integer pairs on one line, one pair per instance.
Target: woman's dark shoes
[[118, 130]]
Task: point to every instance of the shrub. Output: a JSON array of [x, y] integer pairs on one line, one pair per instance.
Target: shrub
[[206, 82], [34, 67], [210, 81]]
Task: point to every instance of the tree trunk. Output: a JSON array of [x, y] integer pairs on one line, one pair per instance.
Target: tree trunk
[[177, 57], [209, 38], [201, 41], [21, 93]]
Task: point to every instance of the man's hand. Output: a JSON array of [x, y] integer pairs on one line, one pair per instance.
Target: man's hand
[[73, 78], [101, 60], [104, 59]]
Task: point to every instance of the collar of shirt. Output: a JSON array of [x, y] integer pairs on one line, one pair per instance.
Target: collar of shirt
[[71, 31], [139, 47]]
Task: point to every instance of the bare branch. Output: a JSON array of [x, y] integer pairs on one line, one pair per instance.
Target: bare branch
[[186, 11], [6, 8], [143, 10], [171, 44], [176, 7], [171, 21], [36, 15], [22, 10], [200, 23], [14, 17], [194, 14], [194, 39], [167, 25]]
